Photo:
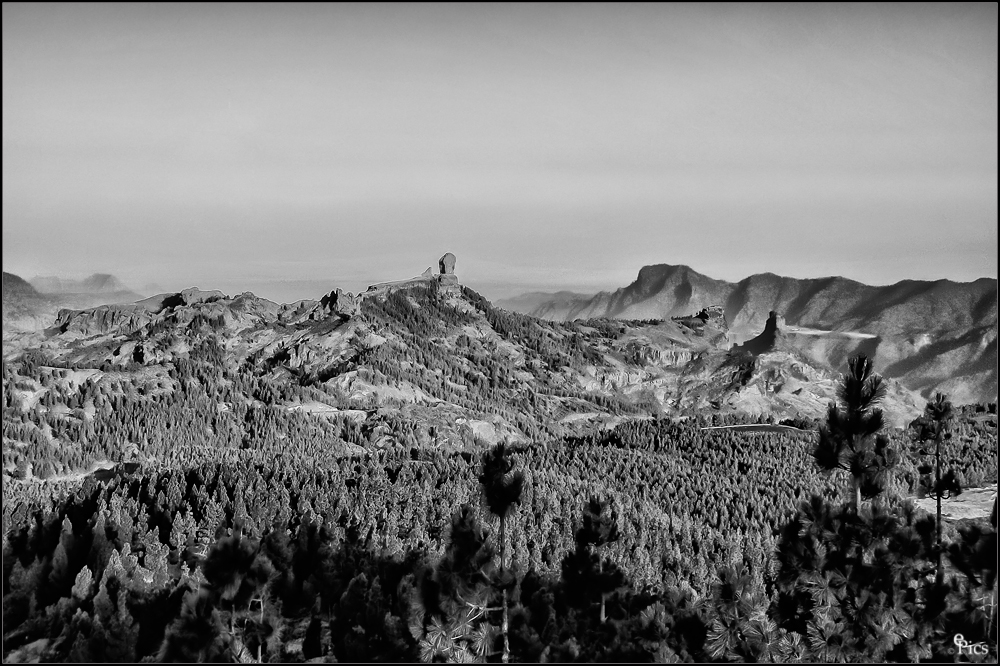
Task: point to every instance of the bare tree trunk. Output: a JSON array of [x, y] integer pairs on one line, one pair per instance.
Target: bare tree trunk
[[506, 643], [600, 569], [939, 574], [503, 570], [855, 481]]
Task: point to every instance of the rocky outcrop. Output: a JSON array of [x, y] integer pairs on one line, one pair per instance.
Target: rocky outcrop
[[709, 323], [101, 320], [446, 278], [715, 314], [341, 303], [643, 354], [447, 264], [188, 296], [768, 339]]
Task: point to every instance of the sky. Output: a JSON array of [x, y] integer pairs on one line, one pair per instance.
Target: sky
[[290, 149]]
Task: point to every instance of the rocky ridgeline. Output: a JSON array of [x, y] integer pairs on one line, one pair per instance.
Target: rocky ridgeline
[[930, 335], [101, 320], [183, 306], [679, 365], [445, 278]]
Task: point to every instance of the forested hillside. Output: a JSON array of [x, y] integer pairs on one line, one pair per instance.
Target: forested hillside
[[242, 483]]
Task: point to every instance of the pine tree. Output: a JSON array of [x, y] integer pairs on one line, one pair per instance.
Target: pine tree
[[197, 634], [83, 584], [850, 439], [230, 611], [741, 629], [934, 426], [448, 602], [501, 491], [847, 574], [588, 574]]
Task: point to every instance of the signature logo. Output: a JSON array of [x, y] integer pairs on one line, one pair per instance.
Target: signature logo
[[965, 647]]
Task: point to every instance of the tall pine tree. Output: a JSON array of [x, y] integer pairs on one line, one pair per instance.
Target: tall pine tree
[[502, 488]]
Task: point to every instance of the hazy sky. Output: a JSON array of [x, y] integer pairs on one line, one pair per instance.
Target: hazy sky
[[547, 146]]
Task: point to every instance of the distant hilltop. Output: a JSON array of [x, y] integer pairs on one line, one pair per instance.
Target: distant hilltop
[[98, 283], [14, 286]]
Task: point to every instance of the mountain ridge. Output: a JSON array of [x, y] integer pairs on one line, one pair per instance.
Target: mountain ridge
[[435, 352], [959, 318]]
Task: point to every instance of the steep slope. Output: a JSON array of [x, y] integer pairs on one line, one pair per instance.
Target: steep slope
[[659, 291], [930, 335]]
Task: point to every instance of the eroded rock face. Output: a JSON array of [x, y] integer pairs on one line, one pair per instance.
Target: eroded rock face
[[195, 295], [447, 278], [715, 314], [447, 264], [768, 339], [342, 303], [101, 320]]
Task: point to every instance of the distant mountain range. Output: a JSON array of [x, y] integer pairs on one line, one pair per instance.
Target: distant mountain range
[[98, 283], [683, 343], [939, 335], [435, 353]]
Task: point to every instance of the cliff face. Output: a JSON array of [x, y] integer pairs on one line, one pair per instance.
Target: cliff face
[[102, 320], [658, 292]]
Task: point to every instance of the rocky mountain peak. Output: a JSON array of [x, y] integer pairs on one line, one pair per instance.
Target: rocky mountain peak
[[447, 264], [342, 303], [768, 339]]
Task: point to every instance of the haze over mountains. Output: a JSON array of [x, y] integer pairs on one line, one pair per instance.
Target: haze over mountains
[[29, 306], [98, 283]]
